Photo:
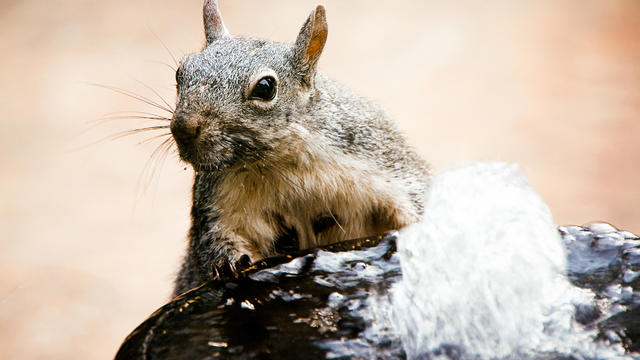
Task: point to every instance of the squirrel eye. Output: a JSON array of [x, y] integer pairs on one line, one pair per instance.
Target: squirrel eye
[[264, 89]]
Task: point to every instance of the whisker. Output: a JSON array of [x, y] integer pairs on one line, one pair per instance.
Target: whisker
[[153, 138], [124, 117], [166, 48], [160, 157], [336, 220], [118, 115], [92, 124], [125, 133], [157, 94], [165, 64], [119, 135], [147, 174], [130, 112], [134, 96], [165, 153]]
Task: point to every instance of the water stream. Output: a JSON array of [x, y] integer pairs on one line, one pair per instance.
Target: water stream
[[486, 275]]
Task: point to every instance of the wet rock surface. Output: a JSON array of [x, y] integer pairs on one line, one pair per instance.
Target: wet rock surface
[[607, 262], [317, 304]]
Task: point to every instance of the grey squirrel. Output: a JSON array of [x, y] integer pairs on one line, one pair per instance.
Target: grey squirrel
[[284, 158]]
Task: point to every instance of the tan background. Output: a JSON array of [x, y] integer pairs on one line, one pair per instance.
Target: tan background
[[89, 247]]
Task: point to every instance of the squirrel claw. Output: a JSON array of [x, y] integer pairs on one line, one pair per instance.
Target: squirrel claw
[[225, 269], [222, 269]]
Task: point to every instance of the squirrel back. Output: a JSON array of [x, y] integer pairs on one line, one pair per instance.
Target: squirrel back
[[285, 159]]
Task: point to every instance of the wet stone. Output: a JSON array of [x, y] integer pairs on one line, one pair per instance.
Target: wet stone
[[601, 228], [316, 304]]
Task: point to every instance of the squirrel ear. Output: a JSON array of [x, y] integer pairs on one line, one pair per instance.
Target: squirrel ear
[[213, 25], [310, 42]]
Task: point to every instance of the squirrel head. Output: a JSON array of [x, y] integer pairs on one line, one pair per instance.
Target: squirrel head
[[241, 98]]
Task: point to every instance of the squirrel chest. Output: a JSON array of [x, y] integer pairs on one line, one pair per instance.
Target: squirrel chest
[[285, 206]]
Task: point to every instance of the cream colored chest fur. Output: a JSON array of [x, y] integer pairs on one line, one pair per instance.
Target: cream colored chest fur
[[255, 201]]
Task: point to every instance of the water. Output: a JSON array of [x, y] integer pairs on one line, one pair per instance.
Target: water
[[486, 275]]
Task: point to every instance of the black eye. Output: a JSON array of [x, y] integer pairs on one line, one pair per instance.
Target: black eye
[[264, 89]]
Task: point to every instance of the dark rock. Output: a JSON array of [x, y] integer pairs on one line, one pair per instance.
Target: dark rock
[[310, 305], [267, 312]]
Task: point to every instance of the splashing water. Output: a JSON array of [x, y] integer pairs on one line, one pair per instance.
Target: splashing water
[[484, 274]]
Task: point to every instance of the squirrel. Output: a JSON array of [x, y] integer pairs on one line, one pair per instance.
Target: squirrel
[[284, 158]]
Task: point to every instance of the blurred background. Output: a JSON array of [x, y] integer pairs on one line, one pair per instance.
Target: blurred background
[[91, 236]]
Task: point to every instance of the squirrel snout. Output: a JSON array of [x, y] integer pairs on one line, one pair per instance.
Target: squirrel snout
[[185, 129]]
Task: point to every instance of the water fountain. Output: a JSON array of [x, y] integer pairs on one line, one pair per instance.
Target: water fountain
[[486, 275]]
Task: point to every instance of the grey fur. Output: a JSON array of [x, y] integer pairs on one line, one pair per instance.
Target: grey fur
[[220, 131]]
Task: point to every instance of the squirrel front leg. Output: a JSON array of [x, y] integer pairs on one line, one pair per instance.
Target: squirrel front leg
[[223, 256], [213, 252]]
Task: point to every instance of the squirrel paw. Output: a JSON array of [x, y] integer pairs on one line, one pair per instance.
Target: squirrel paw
[[226, 268]]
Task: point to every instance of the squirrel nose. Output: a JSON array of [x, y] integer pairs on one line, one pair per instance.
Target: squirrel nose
[[185, 129]]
